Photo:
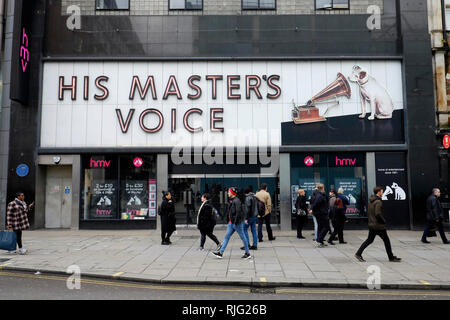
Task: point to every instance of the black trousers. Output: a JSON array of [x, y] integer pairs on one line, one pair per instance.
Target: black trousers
[[207, 232], [301, 221], [440, 227], [261, 221], [19, 238], [323, 227], [338, 230], [383, 235], [167, 227]]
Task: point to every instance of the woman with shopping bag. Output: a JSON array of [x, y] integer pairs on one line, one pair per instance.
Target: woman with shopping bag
[[17, 218]]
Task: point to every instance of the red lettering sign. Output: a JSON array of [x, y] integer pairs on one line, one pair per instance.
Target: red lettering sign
[[446, 141]]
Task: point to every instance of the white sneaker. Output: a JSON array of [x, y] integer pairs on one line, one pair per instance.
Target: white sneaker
[[22, 251]]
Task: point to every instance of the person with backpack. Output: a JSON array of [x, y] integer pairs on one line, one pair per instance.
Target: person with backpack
[[337, 216], [251, 216], [264, 209], [168, 221], [235, 223], [206, 220]]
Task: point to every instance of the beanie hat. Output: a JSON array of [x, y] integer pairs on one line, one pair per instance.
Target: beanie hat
[[233, 191]]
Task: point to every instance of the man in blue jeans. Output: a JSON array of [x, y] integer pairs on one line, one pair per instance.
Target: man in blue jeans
[[251, 217], [235, 223]]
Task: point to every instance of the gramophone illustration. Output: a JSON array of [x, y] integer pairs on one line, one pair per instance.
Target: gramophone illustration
[[309, 113]]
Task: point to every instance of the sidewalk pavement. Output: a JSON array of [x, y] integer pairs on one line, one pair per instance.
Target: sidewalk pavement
[[138, 255]]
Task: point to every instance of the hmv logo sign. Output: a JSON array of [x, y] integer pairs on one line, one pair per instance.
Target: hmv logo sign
[[100, 163], [345, 162]]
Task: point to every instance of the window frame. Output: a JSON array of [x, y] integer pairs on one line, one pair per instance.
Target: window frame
[[330, 9], [185, 8], [259, 6], [99, 9]]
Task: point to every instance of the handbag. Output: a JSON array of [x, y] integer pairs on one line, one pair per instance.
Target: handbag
[[301, 212], [8, 240]]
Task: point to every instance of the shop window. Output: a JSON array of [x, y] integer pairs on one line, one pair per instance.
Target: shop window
[[112, 4], [340, 170], [119, 187], [332, 4], [185, 4], [258, 4]]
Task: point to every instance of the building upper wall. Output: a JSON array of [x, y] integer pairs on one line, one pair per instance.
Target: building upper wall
[[219, 7]]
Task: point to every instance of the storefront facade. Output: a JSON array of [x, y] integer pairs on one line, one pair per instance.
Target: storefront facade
[[198, 104]]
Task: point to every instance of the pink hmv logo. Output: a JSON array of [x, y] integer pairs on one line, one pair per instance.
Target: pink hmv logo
[[100, 163], [24, 53], [309, 161], [345, 162]]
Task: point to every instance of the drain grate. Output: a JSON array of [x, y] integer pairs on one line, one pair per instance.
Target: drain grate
[[263, 290]]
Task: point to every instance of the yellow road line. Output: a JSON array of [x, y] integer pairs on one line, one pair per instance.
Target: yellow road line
[[127, 285], [425, 282], [366, 292], [4, 265]]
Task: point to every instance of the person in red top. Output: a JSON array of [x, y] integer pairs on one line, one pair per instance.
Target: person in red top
[[17, 218]]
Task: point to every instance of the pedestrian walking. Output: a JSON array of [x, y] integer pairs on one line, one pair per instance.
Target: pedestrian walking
[[251, 216], [301, 209], [377, 226], [337, 216], [236, 223], [319, 205], [435, 216], [206, 221], [263, 196], [332, 196], [17, 218], [168, 221]]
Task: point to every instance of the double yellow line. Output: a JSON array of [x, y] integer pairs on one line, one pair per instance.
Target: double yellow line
[[216, 289]]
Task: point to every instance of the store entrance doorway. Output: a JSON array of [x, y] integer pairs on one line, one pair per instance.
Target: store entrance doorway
[[188, 189], [58, 197]]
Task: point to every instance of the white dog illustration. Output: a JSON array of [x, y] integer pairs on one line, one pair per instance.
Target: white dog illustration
[[386, 193], [370, 90], [400, 194]]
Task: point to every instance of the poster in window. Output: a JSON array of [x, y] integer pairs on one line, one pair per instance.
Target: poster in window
[[103, 204], [352, 190], [309, 185], [134, 200]]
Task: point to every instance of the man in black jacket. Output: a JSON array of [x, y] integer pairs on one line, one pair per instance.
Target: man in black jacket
[[319, 206], [435, 216], [236, 218]]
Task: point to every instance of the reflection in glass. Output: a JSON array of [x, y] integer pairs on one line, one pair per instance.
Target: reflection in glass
[[177, 4], [250, 4], [193, 4], [267, 4], [112, 4], [324, 4], [340, 4]]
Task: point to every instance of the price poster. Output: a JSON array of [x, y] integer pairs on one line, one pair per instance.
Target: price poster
[[103, 204], [134, 200]]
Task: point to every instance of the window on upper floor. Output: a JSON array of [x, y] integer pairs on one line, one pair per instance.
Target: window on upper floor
[[332, 4], [259, 4], [112, 4], [185, 4]]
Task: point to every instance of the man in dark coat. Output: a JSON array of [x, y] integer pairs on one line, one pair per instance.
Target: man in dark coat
[[319, 206], [377, 226], [435, 216], [236, 222], [17, 218], [168, 221]]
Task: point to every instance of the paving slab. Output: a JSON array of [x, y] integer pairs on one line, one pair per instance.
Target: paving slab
[[138, 255]]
